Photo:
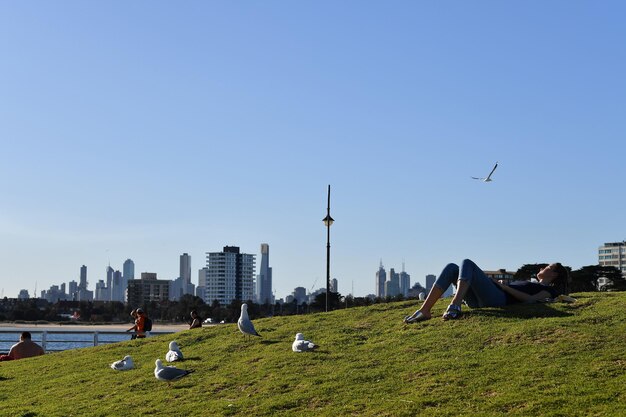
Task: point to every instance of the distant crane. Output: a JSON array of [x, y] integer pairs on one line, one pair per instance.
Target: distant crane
[[309, 294]]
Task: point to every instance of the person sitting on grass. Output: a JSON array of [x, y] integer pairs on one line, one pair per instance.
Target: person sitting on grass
[[196, 320], [26, 348], [477, 290]]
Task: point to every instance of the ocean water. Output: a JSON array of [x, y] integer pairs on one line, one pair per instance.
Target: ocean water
[[58, 340]]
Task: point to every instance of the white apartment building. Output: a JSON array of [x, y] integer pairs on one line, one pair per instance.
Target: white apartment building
[[613, 254], [229, 276]]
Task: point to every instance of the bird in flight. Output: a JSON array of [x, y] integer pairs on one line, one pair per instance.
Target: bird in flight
[[488, 179]]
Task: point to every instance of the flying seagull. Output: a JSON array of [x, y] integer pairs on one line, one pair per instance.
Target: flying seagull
[[168, 373], [488, 179], [245, 325], [174, 354], [123, 365], [301, 345]]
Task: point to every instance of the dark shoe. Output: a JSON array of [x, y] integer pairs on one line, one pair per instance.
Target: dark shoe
[[452, 313], [415, 317]]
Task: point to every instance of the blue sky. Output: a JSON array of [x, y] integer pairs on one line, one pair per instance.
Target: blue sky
[[144, 130]]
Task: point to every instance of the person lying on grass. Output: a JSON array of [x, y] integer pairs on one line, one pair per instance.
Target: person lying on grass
[[478, 290]]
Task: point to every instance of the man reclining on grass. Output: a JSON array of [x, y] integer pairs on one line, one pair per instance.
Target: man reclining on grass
[[478, 290]]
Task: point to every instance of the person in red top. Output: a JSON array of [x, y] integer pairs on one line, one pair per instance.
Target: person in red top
[[26, 348], [140, 321]]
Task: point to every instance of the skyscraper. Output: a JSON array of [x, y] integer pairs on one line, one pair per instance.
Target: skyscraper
[[264, 279], [128, 273], [185, 274], [430, 281], [392, 287], [334, 285], [82, 285], [72, 290], [230, 276], [128, 270], [201, 288], [118, 288], [405, 282], [109, 282], [381, 277]]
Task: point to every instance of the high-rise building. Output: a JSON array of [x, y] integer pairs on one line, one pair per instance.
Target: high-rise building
[[392, 287], [186, 287], [128, 273], [73, 289], [381, 277], [334, 285], [83, 278], [613, 254], [430, 281], [182, 285], [147, 289], [201, 288], [128, 270], [103, 292], [118, 288], [264, 279], [109, 282], [299, 294], [185, 268], [230, 276], [405, 282]]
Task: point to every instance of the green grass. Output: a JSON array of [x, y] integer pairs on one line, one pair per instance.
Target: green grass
[[553, 359]]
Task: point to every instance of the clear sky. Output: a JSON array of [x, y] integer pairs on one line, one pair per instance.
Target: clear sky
[[146, 129]]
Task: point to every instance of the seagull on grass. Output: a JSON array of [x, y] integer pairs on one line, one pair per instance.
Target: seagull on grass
[[124, 364], [174, 354], [301, 345], [168, 373], [488, 179], [245, 325]]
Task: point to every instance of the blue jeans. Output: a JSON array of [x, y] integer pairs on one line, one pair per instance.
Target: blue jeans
[[483, 292]]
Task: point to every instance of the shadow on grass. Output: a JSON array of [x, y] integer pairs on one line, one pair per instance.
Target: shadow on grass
[[270, 342], [4, 378], [521, 311]]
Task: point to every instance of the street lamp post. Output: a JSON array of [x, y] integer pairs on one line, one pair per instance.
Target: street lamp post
[[328, 221]]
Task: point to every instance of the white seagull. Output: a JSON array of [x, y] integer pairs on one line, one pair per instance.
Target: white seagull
[[168, 373], [124, 364], [245, 325], [301, 345], [174, 353], [488, 179]]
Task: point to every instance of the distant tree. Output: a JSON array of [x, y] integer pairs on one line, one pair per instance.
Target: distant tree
[[319, 304], [586, 278], [185, 305], [617, 280], [528, 271]]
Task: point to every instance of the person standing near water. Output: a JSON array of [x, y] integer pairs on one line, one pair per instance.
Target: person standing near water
[[140, 322]]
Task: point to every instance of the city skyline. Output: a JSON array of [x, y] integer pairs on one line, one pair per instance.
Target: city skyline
[[149, 130]]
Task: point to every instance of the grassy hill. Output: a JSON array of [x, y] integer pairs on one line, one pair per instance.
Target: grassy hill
[[544, 359]]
